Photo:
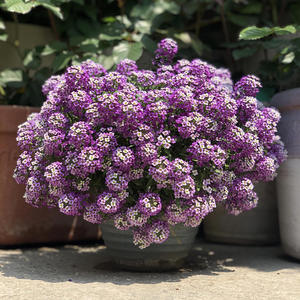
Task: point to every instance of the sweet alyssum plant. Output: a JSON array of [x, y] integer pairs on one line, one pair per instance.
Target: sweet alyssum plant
[[149, 149]]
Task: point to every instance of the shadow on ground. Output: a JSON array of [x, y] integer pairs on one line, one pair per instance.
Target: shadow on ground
[[91, 263]]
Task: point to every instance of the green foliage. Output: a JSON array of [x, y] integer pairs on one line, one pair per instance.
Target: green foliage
[[103, 31], [109, 31], [284, 62]]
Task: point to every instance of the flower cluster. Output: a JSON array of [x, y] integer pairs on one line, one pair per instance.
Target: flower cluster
[[148, 149]]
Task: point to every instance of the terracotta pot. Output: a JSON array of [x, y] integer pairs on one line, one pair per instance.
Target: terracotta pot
[[20, 223], [288, 179], [258, 226]]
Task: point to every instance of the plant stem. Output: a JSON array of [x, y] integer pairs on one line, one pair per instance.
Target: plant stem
[[199, 16], [281, 11], [225, 29], [16, 43], [53, 25], [274, 12], [121, 4]]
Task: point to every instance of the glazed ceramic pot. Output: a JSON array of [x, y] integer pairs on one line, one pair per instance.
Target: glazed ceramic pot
[[288, 179], [168, 255], [258, 226], [20, 223]]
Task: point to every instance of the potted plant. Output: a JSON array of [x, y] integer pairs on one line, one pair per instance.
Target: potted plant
[[143, 152], [285, 67], [277, 70], [20, 95]]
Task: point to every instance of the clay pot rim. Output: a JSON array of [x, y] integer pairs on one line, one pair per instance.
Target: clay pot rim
[[287, 100]]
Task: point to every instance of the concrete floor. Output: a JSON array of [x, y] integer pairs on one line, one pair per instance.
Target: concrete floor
[[212, 271]]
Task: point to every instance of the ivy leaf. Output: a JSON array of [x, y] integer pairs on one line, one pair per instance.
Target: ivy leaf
[[20, 6], [286, 30], [245, 52], [128, 50], [61, 61], [254, 33]]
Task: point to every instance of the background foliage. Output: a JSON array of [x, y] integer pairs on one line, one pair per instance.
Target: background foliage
[[109, 31]]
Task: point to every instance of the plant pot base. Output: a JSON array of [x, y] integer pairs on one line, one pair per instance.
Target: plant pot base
[[169, 255]]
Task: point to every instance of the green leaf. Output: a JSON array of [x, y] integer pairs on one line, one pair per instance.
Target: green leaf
[[49, 5], [19, 6], [109, 19], [143, 26], [124, 20], [87, 28], [169, 6], [288, 58], [91, 12], [245, 52], [76, 40], [124, 50], [286, 30], [274, 43], [13, 78], [196, 44], [147, 42], [87, 48], [42, 75], [31, 60], [61, 61], [190, 7], [54, 47], [111, 31], [254, 33], [191, 40], [3, 36], [2, 25], [252, 8], [106, 61], [149, 10]]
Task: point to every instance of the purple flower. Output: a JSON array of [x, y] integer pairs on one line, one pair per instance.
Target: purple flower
[[148, 149]]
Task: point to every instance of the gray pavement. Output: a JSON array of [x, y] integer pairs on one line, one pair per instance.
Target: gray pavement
[[212, 271]]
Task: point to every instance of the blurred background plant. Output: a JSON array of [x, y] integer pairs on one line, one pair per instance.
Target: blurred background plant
[[109, 31]]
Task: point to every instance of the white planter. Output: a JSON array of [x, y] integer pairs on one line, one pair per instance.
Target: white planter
[[288, 179], [258, 226]]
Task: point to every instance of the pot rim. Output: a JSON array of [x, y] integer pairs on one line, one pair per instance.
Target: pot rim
[[287, 100]]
